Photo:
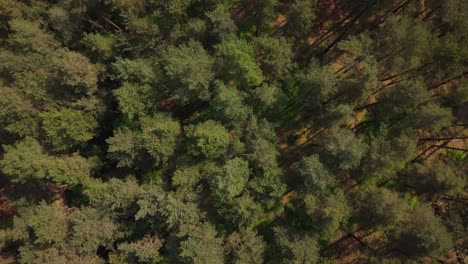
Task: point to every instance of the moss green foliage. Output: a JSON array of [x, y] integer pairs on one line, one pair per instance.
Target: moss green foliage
[[221, 131], [156, 139], [209, 139], [236, 61], [67, 128], [232, 182], [189, 71]]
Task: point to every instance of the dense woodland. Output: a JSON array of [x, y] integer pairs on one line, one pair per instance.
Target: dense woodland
[[233, 131]]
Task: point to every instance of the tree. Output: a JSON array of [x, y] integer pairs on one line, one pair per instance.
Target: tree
[[365, 80], [202, 246], [402, 100], [99, 46], [424, 234], [209, 139], [382, 208], [135, 71], [234, 179], [314, 174], [317, 86], [137, 131], [264, 153], [296, 248], [74, 71], [123, 146], [67, 128], [433, 179], [236, 60], [91, 229], [454, 13], [300, 18], [448, 56], [431, 117], [116, 198], [346, 149], [155, 140], [221, 25], [245, 246], [26, 161], [228, 105], [28, 36], [387, 155], [243, 211], [17, 115], [186, 179], [267, 95], [159, 136], [275, 57], [328, 212], [260, 12], [47, 222], [135, 100], [189, 71], [414, 43], [185, 218], [145, 250]]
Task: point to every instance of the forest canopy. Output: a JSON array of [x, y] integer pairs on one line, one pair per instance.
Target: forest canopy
[[233, 131]]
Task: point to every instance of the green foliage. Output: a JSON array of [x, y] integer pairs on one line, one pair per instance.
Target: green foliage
[[454, 13], [91, 229], [137, 70], [186, 179], [358, 45], [346, 149], [155, 140], [274, 55], [317, 85], [228, 105], [300, 17], [101, 47], [314, 174], [221, 25], [232, 182], [67, 128], [145, 250], [424, 234], [236, 59], [75, 72], [202, 246], [209, 139], [16, 114], [134, 100], [327, 213], [431, 117], [245, 247], [260, 11], [47, 222], [450, 56], [189, 71], [116, 197], [123, 147], [387, 155], [244, 211], [159, 136], [267, 95], [435, 179], [383, 208], [296, 248], [137, 131], [28, 36], [183, 217], [26, 161]]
